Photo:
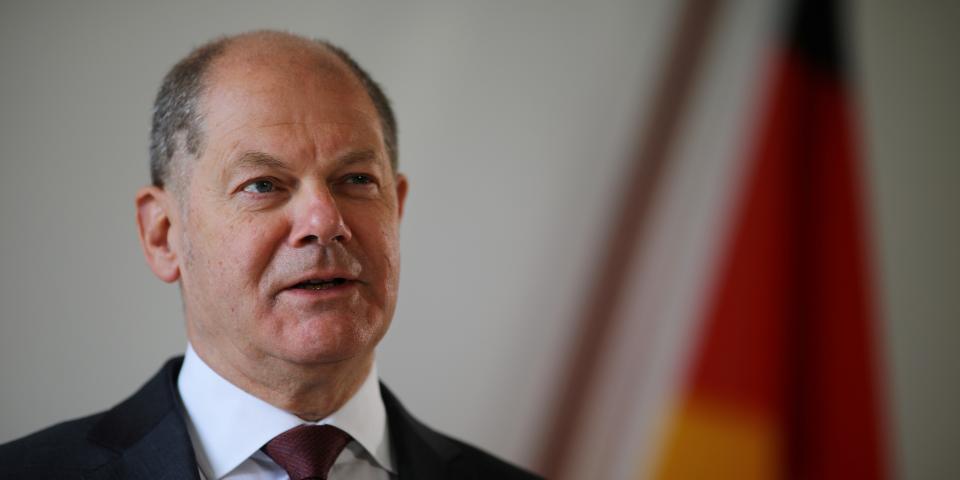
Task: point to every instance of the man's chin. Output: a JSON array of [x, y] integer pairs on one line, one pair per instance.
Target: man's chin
[[330, 334], [320, 358], [305, 353]]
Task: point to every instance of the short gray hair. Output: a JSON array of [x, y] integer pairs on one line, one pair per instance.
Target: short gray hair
[[177, 119]]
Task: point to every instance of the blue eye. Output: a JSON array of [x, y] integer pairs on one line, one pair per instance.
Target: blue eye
[[259, 186]]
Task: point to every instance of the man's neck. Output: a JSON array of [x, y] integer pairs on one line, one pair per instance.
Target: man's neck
[[309, 391]]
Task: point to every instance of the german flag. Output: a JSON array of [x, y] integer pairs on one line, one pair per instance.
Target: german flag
[[784, 380]]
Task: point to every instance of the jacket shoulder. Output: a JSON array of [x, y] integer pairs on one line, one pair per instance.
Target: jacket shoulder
[[58, 450], [473, 462], [424, 453], [129, 437]]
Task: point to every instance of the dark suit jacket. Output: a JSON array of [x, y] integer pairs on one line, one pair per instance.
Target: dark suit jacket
[[146, 437]]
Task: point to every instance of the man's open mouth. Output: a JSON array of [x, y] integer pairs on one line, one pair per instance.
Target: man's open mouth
[[319, 284]]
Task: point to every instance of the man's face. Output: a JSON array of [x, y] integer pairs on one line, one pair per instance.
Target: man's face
[[289, 245]]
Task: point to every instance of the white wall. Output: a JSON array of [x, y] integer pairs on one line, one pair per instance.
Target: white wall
[[910, 74], [515, 118]]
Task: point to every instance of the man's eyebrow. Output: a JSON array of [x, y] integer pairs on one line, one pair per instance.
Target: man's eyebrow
[[255, 159], [260, 160], [359, 156]]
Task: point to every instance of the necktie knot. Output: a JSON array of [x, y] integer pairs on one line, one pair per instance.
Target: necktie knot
[[307, 451]]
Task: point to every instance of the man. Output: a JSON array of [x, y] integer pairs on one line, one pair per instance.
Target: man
[[275, 204]]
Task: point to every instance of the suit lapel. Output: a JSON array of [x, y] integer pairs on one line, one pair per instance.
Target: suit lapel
[[148, 433], [420, 453], [162, 454]]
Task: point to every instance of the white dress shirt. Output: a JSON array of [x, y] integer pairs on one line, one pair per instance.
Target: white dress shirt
[[228, 426]]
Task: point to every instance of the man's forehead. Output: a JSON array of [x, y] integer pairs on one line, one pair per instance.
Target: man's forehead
[[269, 79], [276, 52], [268, 72]]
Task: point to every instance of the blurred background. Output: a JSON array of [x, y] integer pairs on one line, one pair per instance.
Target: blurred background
[[520, 123]]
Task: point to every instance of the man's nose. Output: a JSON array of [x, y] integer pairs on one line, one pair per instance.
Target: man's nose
[[318, 220]]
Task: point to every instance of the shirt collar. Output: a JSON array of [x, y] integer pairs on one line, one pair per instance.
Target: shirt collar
[[228, 425]]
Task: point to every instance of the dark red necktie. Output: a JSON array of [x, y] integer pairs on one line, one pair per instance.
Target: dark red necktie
[[308, 451]]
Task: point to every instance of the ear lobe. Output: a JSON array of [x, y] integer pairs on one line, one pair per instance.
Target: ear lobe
[[154, 227], [402, 186]]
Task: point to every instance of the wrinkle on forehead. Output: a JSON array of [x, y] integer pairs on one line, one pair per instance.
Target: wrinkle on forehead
[[328, 136], [236, 108], [260, 92], [344, 143]]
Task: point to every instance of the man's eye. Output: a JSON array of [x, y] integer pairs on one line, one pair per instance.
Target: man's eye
[[259, 186], [359, 179]]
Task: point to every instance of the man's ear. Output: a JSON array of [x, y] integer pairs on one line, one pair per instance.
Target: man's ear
[[402, 186], [154, 213]]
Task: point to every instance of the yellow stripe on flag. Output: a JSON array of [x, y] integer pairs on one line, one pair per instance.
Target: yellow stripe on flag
[[709, 440]]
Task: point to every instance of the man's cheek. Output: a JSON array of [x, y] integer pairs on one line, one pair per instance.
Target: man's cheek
[[248, 257]]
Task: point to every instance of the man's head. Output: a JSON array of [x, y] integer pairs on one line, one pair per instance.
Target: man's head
[[275, 203]]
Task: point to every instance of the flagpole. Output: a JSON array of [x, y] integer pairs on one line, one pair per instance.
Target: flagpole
[[682, 64]]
